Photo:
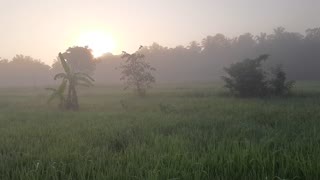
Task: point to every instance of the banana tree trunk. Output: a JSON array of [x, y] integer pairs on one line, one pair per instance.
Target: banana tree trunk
[[75, 103], [69, 97]]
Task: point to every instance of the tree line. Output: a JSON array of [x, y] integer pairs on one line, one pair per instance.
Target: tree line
[[246, 78], [199, 61]]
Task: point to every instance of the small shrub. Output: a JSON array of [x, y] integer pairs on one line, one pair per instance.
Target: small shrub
[[279, 84], [248, 79]]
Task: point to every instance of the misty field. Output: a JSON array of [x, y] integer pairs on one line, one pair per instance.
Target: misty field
[[176, 132]]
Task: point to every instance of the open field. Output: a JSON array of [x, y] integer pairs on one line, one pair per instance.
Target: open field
[[177, 132]]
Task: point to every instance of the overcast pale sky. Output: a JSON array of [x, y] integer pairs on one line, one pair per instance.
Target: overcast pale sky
[[42, 28]]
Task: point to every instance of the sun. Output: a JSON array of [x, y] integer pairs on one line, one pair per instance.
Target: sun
[[98, 41]]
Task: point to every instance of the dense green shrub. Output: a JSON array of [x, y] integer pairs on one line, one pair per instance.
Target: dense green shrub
[[248, 79], [279, 84]]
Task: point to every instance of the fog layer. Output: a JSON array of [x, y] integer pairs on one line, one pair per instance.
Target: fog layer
[[201, 61]]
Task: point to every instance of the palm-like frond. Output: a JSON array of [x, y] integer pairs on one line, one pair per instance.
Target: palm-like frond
[[51, 98], [79, 74], [70, 79], [83, 80], [60, 76], [57, 93], [64, 64]]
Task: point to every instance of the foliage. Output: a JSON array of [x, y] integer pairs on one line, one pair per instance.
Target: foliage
[[279, 85], [80, 59], [194, 63], [72, 79], [58, 93], [23, 71], [136, 72], [247, 78]]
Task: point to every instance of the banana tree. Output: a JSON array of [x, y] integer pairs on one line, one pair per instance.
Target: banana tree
[[58, 93], [72, 80]]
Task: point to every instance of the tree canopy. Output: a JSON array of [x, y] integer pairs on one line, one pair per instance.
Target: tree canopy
[[198, 61]]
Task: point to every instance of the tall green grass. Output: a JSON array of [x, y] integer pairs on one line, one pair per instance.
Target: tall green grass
[[177, 132]]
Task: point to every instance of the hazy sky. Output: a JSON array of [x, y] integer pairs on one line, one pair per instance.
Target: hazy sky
[[42, 28]]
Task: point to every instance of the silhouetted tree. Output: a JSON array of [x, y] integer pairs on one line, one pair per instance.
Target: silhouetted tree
[[313, 35], [23, 71], [72, 79], [56, 66], [215, 43], [205, 62], [279, 85], [191, 63], [3, 61], [262, 38], [247, 78], [194, 47], [80, 59], [136, 72]]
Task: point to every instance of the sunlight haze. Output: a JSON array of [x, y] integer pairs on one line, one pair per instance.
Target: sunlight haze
[[159, 89], [42, 28], [99, 41]]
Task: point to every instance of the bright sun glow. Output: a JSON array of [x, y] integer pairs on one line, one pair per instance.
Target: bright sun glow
[[99, 41]]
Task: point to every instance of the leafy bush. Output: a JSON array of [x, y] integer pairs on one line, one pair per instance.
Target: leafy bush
[[248, 79], [279, 84], [136, 72]]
